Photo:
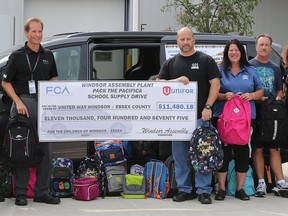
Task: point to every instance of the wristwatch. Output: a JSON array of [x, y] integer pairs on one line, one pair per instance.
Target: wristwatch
[[208, 106]]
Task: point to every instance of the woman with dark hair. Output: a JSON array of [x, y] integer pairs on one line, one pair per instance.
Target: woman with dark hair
[[238, 77]]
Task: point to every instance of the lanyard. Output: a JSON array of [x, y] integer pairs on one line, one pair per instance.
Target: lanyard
[[29, 64]]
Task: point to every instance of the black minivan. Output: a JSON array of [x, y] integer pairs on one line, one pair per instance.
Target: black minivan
[[119, 56]]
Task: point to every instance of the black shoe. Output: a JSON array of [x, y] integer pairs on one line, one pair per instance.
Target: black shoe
[[2, 198], [182, 196], [205, 198], [21, 200], [47, 199], [242, 195], [220, 195]]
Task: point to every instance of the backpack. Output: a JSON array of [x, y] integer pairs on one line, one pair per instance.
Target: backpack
[[110, 152], [144, 151], [5, 180], [115, 176], [273, 121], [136, 169], [234, 124], [157, 182], [248, 187], [134, 187], [205, 152], [169, 162], [21, 146], [90, 167], [61, 178]]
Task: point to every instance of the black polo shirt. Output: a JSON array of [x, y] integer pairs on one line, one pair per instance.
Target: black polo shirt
[[18, 72]]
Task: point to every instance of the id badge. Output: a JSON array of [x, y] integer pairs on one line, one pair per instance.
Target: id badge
[[32, 87]]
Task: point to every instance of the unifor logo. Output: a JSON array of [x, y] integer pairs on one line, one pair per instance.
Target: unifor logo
[[57, 90], [166, 90]]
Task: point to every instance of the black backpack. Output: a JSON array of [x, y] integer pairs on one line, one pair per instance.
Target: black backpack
[[273, 121], [21, 146], [169, 162]]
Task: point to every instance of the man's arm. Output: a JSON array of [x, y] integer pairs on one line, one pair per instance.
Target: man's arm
[[21, 108], [213, 94], [182, 79]]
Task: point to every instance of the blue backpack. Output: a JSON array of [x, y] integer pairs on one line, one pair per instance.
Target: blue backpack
[[205, 152], [232, 181], [156, 176]]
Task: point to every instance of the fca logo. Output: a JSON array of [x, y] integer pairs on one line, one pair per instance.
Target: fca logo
[[57, 90]]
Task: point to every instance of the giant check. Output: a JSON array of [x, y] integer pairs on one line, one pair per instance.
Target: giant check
[[126, 110]]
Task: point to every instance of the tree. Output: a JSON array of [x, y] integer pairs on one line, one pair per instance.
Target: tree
[[215, 16]]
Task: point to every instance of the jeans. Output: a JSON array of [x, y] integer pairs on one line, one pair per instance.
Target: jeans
[[180, 151]]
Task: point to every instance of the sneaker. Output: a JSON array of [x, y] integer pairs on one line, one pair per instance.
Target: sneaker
[[21, 200], [261, 190], [182, 196], [205, 198], [241, 195], [281, 190], [220, 195]]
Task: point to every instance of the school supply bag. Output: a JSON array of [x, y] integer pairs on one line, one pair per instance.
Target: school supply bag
[[114, 179], [273, 121], [156, 176], [110, 152], [86, 189], [134, 187], [205, 152], [21, 146], [136, 169], [61, 178], [88, 167], [169, 162], [234, 124], [248, 187]]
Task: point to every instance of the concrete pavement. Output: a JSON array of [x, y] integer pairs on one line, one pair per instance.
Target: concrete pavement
[[111, 206], [271, 205]]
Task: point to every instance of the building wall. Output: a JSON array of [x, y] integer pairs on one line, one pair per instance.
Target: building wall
[[102, 15], [13, 10], [270, 17], [60, 16], [73, 15]]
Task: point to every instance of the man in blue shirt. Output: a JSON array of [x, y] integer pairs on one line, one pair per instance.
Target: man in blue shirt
[[270, 75]]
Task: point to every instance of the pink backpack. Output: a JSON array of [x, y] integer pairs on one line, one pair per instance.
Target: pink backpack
[[234, 124]]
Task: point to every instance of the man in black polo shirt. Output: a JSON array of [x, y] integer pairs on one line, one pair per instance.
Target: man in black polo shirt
[[26, 66]]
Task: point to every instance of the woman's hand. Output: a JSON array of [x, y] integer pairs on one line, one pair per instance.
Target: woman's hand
[[229, 95], [247, 96]]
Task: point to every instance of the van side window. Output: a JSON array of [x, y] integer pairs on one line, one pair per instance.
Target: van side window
[[137, 63], [68, 62], [113, 63]]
